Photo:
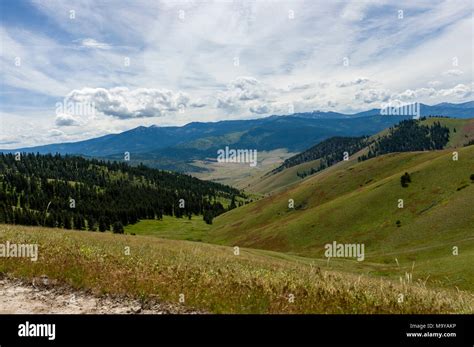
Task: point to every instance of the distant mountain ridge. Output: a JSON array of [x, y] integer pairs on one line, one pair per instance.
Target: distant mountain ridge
[[462, 110], [176, 147]]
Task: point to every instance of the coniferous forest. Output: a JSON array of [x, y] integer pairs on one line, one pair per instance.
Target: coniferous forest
[[330, 151], [410, 135], [72, 192]]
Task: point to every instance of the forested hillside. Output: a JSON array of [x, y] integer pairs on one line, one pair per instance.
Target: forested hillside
[[73, 192], [330, 151], [409, 136]]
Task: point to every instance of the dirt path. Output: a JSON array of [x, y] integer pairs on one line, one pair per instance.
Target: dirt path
[[42, 298]]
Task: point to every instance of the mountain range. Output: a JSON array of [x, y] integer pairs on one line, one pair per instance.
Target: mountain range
[[176, 147]]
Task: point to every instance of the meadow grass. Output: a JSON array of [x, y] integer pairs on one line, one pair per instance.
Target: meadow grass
[[213, 278], [171, 228]]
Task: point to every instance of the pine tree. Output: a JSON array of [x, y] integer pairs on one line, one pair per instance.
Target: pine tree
[[67, 221], [103, 225], [118, 228], [91, 224], [208, 217], [232, 203]]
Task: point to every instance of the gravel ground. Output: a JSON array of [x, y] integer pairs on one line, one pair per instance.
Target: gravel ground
[[43, 296]]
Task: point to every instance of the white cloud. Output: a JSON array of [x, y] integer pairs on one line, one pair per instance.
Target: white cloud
[[242, 90], [64, 119], [55, 133], [123, 103], [246, 88], [260, 109], [373, 95], [456, 93], [460, 91], [355, 10]]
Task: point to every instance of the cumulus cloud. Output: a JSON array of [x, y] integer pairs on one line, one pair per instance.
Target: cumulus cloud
[[240, 91], [55, 133], [65, 119], [372, 95], [459, 91], [124, 103], [260, 109], [413, 94], [246, 88]]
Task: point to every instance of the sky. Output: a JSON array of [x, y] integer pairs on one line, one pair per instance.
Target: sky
[[73, 70]]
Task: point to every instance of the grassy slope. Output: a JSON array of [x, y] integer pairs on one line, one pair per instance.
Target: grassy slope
[[212, 277], [171, 228], [357, 203], [272, 183]]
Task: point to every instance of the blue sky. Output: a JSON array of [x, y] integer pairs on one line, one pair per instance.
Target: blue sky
[[172, 62]]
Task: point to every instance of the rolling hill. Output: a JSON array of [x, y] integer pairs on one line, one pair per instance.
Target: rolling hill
[[358, 203]]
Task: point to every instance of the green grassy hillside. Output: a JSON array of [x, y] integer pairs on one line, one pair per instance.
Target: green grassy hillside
[[213, 278], [358, 203], [171, 227], [461, 131], [271, 183]]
